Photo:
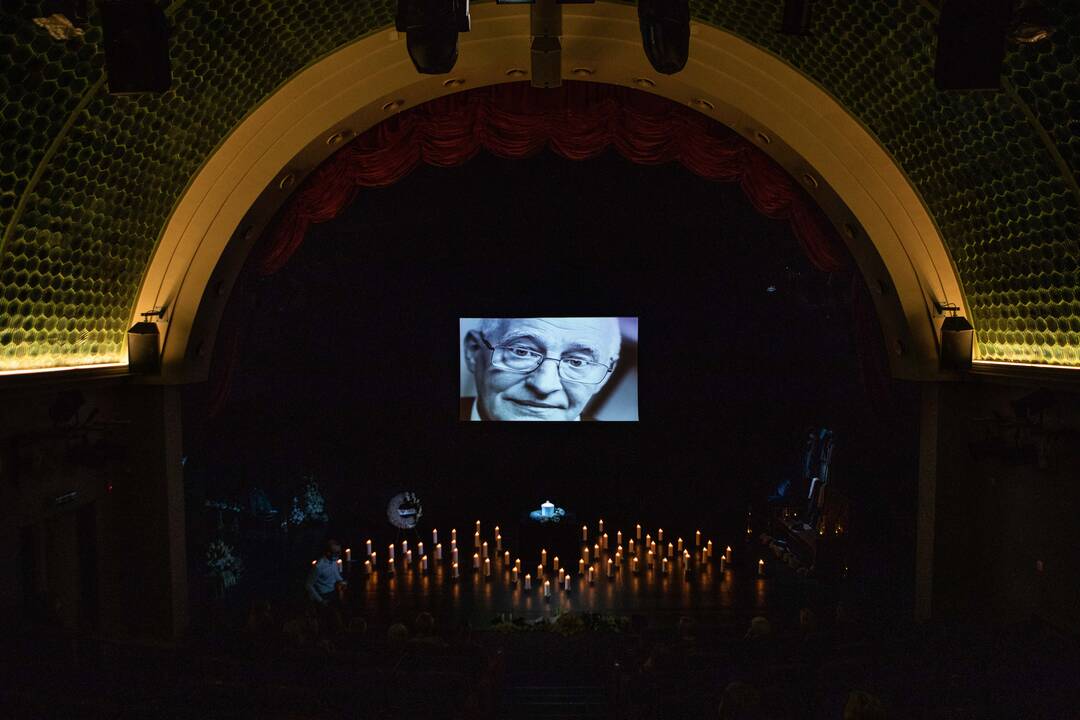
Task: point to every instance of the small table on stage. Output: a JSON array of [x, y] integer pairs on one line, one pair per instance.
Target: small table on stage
[[562, 538]]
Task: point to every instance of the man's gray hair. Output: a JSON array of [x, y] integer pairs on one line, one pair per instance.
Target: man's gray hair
[[494, 327]]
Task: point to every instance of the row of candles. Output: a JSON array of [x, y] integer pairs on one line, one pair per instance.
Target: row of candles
[[482, 559]]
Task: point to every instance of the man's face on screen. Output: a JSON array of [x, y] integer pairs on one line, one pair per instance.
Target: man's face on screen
[[545, 393]]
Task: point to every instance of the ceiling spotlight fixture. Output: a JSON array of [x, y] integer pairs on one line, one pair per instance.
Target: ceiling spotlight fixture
[[1031, 23], [665, 33], [431, 30], [454, 82], [517, 72], [583, 72], [642, 82], [797, 16]]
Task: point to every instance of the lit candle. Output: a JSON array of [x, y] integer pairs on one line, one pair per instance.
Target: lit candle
[[543, 557], [453, 535], [649, 560], [506, 557], [708, 548], [723, 563], [390, 565], [434, 536], [539, 572], [404, 546], [610, 568], [498, 543], [631, 546], [514, 576], [438, 551], [596, 550], [517, 564], [453, 544], [562, 574], [374, 559], [680, 548], [664, 565], [601, 525], [423, 563], [348, 554], [648, 540], [727, 553], [368, 547], [618, 538], [367, 567], [391, 553], [697, 538], [581, 567], [419, 548], [476, 561], [476, 539], [408, 558], [618, 558], [585, 553], [457, 573], [528, 581], [634, 564], [487, 567], [566, 583], [686, 557], [584, 533], [761, 568], [547, 589], [454, 555], [555, 563], [637, 531], [660, 535], [484, 549], [591, 574], [604, 541], [670, 550], [496, 529], [339, 564], [478, 526]]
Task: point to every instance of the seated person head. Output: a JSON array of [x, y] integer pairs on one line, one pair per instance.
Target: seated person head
[[863, 706]]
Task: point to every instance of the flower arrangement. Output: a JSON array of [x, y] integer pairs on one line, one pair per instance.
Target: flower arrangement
[[223, 563], [565, 624], [309, 506]]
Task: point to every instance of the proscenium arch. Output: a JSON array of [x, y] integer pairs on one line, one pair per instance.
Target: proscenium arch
[[855, 181]]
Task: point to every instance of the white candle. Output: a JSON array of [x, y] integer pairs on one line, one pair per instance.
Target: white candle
[[585, 553], [680, 548], [543, 557], [476, 561], [339, 564], [484, 549], [391, 553], [476, 539], [723, 563], [708, 548], [487, 567], [539, 572], [727, 553], [390, 565], [610, 568], [367, 567], [555, 563], [566, 583], [618, 538], [477, 526], [419, 548], [761, 568], [649, 560], [652, 546], [664, 565], [562, 574], [670, 550], [660, 535], [686, 557], [454, 555], [498, 543], [348, 554], [457, 573], [517, 564], [581, 567], [634, 564], [453, 535], [514, 576], [497, 533], [368, 547], [434, 536], [453, 544], [506, 557], [408, 558], [528, 581], [591, 573], [637, 531], [604, 541], [697, 538], [547, 588], [584, 533], [631, 546], [596, 550], [423, 563], [601, 525], [438, 551], [374, 558], [618, 558], [404, 546]]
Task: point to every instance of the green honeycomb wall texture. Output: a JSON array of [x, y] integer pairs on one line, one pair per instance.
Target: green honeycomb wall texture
[[87, 181]]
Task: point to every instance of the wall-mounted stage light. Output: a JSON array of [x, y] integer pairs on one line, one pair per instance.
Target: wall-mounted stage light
[[136, 36], [665, 33], [1031, 23], [796, 18], [957, 339], [971, 44], [431, 30], [144, 344]]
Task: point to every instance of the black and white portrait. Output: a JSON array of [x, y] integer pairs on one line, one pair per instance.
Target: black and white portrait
[[550, 369]]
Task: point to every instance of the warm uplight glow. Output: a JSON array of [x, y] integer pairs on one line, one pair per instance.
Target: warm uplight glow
[[20, 367]]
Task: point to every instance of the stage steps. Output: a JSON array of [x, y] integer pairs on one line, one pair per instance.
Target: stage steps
[[537, 697]]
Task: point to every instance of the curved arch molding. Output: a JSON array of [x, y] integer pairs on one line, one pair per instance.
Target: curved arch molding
[[134, 207]]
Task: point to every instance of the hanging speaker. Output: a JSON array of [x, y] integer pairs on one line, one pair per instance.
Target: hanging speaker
[[665, 33], [971, 44], [136, 47]]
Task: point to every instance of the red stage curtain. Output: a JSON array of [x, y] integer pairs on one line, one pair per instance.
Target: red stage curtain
[[577, 121]]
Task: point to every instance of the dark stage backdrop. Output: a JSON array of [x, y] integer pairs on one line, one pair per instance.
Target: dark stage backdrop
[[350, 364]]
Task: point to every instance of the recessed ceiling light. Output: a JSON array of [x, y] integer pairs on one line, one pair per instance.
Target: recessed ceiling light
[[703, 104], [643, 82], [287, 181], [762, 137], [583, 71], [339, 137], [810, 180], [516, 72], [454, 82], [393, 105]]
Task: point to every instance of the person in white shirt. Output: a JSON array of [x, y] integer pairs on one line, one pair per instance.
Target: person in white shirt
[[324, 583]]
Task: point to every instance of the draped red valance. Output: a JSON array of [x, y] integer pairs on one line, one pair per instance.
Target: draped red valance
[[577, 121]]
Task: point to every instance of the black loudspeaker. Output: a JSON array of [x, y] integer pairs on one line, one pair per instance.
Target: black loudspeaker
[[796, 19], [665, 33], [136, 47], [971, 44]]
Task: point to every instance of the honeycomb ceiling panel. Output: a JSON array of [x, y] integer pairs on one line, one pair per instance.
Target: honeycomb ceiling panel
[[87, 181]]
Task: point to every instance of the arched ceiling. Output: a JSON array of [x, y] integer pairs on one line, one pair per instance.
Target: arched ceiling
[[88, 181]]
